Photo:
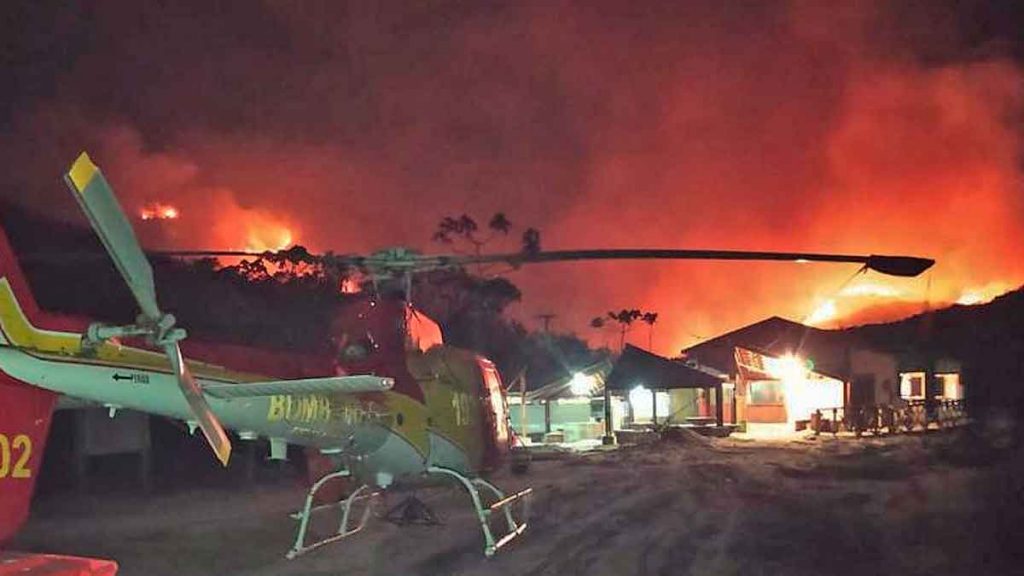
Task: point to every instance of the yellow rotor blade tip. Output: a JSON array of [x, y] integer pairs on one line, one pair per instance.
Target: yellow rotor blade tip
[[82, 171], [223, 454]]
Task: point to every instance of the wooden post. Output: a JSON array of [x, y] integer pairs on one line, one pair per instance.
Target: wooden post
[[524, 425], [654, 407], [719, 405], [608, 438]]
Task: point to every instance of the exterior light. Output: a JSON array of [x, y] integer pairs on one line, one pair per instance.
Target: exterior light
[[788, 368], [639, 396], [581, 384]]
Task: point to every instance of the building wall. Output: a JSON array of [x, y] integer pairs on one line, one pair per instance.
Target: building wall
[[575, 417], [879, 370], [684, 403]]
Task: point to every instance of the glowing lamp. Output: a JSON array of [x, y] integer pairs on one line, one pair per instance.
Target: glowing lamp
[[639, 396], [581, 384], [788, 368]]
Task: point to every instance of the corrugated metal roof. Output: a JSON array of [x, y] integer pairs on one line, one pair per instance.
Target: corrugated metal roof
[[775, 336], [561, 387]]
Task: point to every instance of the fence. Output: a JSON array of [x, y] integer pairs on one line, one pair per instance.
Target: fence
[[909, 416]]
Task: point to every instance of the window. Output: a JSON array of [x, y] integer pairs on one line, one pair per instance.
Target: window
[[766, 392], [951, 387], [912, 385]]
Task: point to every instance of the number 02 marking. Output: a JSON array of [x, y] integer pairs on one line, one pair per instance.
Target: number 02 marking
[[18, 449]]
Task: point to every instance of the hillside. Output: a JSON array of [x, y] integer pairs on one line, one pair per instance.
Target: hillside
[[987, 338]]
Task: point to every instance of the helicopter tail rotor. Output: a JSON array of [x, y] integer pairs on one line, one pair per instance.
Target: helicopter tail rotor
[[98, 202], [215, 435]]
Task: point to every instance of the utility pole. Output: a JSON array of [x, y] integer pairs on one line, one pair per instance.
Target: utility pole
[[547, 317], [609, 435]]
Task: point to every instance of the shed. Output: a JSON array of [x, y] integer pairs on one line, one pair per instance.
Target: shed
[[639, 367]]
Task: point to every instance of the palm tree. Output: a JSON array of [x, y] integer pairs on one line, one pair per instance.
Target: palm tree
[[650, 318], [625, 319]]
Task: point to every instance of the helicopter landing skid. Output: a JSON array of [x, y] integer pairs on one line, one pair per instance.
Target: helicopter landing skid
[[502, 503], [345, 529]]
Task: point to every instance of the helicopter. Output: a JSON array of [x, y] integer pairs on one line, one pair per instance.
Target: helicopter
[[401, 408]]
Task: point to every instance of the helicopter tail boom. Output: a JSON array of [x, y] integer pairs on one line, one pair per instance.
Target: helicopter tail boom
[[25, 413]]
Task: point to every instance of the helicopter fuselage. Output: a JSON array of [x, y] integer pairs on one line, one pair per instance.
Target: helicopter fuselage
[[450, 412], [383, 436]]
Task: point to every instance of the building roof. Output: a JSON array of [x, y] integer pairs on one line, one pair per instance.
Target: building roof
[[637, 367], [561, 387], [775, 336]]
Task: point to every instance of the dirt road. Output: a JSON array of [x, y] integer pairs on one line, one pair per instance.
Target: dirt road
[[934, 504]]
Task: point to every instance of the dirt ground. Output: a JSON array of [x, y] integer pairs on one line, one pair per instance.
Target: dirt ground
[[941, 503]]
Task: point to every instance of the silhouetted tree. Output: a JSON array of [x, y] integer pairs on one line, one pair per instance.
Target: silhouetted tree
[[531, 241], [625, 318], [650, 318], [465, 228], [499, 223]]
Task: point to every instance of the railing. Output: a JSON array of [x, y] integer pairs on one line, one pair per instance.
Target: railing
[[908, 416]]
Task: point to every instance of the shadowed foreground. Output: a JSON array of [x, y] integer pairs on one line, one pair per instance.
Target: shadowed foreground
[[943, 503]]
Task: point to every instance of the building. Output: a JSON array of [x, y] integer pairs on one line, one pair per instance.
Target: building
[[567, 409], [664, 391], [783, 371]]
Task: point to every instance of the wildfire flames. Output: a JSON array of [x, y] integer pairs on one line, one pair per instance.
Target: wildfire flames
[[349, 286], [252, 230], [854, 297], [159, 211], [982, 294], [268, 237]]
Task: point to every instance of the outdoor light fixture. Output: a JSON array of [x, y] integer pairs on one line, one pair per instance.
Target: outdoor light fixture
[[639, 395], [581, 384], [788, 368]]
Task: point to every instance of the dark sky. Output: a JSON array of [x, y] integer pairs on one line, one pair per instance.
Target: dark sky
[[853, 126]]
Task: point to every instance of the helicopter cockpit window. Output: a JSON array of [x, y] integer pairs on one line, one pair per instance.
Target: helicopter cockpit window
[[355, 350], [420, 331]]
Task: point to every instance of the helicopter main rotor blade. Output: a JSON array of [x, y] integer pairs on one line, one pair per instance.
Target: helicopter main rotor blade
[[394, 262], [216, 437], [891, 265], [339, 261], [98, 202]]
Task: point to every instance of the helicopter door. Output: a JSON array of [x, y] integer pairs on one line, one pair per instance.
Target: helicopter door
[[494, 416]]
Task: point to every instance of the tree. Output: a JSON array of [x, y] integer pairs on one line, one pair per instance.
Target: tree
[[465, 228], [547, 356], [650, 318], [531, 241], [625, 319]]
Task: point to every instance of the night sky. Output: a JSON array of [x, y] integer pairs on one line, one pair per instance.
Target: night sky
[[892, 127]]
